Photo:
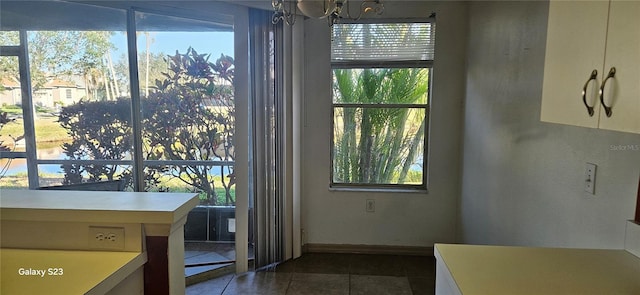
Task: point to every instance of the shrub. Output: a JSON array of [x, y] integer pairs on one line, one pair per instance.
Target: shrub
[[189, 117]]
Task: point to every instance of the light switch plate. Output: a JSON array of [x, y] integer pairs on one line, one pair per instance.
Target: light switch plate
[[590, 178]]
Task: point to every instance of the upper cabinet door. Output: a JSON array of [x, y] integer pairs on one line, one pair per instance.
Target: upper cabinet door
[[622, 91], [576, 37]]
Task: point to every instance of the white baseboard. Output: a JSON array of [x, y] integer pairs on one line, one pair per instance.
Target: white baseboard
[[632, 238]]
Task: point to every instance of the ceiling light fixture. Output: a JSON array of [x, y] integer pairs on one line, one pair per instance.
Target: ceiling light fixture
[[287, 10]]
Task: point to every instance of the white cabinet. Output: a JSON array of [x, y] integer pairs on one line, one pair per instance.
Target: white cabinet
[[623, 54], [585, 40]]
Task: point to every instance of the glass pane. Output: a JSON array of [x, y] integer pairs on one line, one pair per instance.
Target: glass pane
[[85, 176], [219, 190], [378, 145], [11, 116], [80, 85], [13, 174], [50, 175], [9, 38], [381, 86], [13, 171], [186, 75]]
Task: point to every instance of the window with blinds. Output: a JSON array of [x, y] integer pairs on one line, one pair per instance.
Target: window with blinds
[[381, 93]]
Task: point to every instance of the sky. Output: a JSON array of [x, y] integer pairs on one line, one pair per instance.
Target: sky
[[213, 43]]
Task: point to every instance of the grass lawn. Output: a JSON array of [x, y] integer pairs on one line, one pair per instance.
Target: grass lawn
[[176, 185], [46, 126]]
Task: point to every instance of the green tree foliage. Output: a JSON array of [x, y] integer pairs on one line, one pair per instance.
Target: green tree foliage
[[100, 130], [9, 38], [378, 145], [189, 116], [4, 120], [62, 54], [9, 66], [65, 53], [192, 119], [158, 64]]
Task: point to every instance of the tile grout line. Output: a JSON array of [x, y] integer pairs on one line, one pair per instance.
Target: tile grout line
[[349, 283], [289, 284], [227, 285], [349, 271]]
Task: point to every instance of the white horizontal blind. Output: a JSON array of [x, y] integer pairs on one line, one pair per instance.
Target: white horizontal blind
[[380, 42]]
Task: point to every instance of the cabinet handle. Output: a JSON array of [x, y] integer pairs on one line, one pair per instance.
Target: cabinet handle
[[607, 109], [593, 76]]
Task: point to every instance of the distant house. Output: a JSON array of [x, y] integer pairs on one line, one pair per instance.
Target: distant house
[[53, 93], [10, 91], [58, 92]]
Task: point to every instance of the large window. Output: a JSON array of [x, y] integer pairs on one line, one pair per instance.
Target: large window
[[82, 106], [381, 95]]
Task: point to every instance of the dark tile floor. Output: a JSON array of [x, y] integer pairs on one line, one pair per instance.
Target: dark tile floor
[[329, 274], [207, 252]]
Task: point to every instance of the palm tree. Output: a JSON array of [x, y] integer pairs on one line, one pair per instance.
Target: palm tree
[[373, 143]]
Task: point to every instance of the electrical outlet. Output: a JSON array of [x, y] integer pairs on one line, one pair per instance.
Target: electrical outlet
[[371, 205], [106, 238], [590, 178]]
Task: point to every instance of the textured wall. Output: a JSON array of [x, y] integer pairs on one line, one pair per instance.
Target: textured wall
[[523, 179]]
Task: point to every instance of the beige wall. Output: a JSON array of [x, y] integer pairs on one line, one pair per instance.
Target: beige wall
[[523, 180], [11, 97], [400, 219]]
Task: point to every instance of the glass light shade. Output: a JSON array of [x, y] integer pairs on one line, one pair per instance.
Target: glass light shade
[[316, 8]]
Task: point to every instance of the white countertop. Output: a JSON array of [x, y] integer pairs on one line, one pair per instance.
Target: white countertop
[[65, 272], [523, 270], [95, 206]]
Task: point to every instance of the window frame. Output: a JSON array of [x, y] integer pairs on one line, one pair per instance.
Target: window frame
[[399, 64], [121, 18]]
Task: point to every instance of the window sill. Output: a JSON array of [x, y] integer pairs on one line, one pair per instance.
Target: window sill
[[379, 190]]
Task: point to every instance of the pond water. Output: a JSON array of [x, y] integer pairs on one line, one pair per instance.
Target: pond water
[[19, 166]]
